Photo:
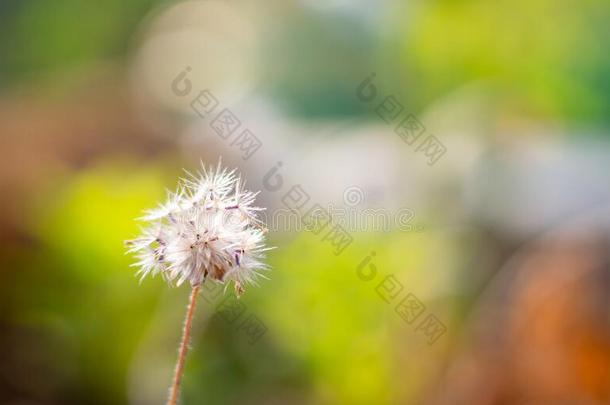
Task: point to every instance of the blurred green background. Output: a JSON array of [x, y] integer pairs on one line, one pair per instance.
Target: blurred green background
[[518, 92]]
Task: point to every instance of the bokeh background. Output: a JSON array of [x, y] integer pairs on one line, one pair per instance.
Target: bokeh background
[[507, 245]]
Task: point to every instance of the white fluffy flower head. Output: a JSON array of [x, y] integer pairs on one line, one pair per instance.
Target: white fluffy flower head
[[207, 229]]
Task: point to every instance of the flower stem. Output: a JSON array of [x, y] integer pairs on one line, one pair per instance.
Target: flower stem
[[186, 332]]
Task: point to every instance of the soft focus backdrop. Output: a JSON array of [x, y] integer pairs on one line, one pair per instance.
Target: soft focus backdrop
[[462, 146]]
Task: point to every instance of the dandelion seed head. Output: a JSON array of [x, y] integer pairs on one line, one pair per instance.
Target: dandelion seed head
[[207, 229]]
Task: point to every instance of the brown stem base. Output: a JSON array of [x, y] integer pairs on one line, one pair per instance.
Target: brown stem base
[[186, 332]]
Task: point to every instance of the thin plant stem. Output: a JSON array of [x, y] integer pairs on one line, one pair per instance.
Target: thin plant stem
[[186, 332]]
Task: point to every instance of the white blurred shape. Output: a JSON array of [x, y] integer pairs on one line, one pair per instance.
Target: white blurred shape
[[536, 183], [215, 41]]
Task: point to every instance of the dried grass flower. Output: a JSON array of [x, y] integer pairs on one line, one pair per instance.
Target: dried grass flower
[[206, 230]]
